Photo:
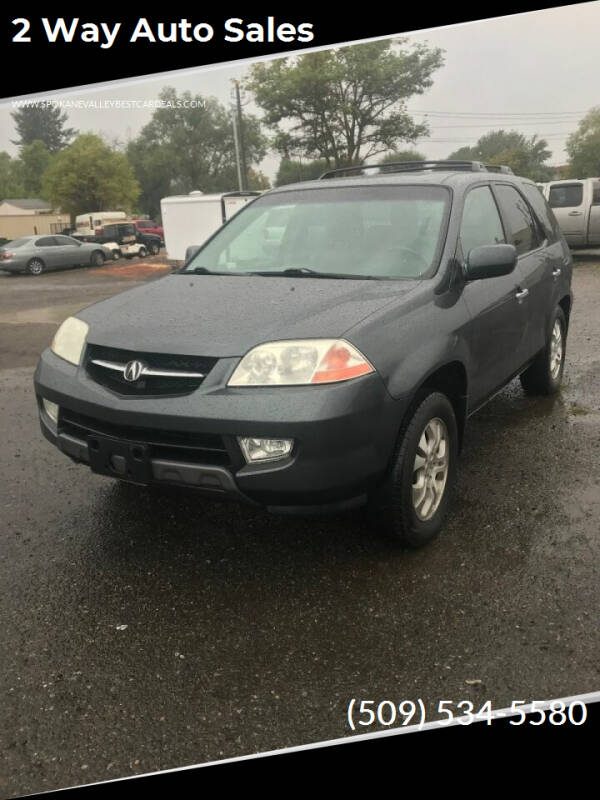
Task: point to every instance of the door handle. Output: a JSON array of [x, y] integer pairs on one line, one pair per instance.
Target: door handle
[[575, 213], [556, 272], [522, 294]]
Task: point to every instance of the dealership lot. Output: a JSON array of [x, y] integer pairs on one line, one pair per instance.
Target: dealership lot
[[151, 629]]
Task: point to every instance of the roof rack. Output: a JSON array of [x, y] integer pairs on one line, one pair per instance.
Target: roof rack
[[410, 166], [419, 166], [499, 168]]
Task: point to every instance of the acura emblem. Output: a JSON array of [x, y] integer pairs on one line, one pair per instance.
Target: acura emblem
[[133, 370]]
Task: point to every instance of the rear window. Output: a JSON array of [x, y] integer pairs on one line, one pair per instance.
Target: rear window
[[566, 196], [16, 243], [542, 211], [521, 228], [391, 232]]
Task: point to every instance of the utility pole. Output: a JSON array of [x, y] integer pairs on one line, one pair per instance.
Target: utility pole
[[237, 151], [240, 131]]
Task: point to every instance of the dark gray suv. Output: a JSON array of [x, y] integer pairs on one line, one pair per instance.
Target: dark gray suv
[[325, 347]]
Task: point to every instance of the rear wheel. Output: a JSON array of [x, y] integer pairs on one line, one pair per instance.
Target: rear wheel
[[35, 266], [142, 252], [544, 376], [116, 255], [154, 248], [97, 258], [411, 505]]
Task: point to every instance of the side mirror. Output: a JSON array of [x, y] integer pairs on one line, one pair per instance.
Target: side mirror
[[490, 261], [191, 251]]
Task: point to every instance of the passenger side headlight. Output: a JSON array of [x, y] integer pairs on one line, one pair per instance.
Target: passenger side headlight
[[301, 362], [69, 341]]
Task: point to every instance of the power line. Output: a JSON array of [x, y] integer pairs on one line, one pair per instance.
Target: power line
[[512, 122], [496, 113]]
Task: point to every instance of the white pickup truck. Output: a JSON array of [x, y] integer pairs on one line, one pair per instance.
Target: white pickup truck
[[576, 206]]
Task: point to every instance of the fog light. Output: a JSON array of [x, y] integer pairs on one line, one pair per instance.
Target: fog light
[[51, 409], [265, 449]]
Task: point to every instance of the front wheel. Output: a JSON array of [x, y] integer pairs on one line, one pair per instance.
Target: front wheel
[[544, 375], [116, 255], [154, 249], [412, 503], [142, 252], [97, 258]]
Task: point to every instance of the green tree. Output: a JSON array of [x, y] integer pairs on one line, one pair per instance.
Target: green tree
[[45, 123], [257, 180], [526, 156], [345, 105], [90, 176], [11, 177], [294, 170], [189, 145], [35, 159], [583, 147], [153, 168]]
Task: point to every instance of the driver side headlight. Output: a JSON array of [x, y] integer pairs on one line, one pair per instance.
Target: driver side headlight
[[301, 362], [69, 340]]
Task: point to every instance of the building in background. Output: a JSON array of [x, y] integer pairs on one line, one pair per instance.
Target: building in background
[[28, 217]]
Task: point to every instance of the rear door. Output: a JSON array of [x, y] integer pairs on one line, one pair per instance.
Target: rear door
[[497, 316], [47, 249], [535, 265], [567, 202]]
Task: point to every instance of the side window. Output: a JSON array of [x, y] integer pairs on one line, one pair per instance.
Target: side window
[[47, 241], [65, 240], [540, 208], [481, 223], [521, 228], [596, 194], [568, 195]]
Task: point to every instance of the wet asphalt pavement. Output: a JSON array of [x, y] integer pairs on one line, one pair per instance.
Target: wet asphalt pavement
[[144, 629]]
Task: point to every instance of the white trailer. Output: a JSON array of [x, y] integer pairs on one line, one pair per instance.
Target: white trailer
[[89, 224], [189, 219]]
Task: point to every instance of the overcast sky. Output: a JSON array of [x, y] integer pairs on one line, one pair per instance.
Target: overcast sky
[[534, 72]]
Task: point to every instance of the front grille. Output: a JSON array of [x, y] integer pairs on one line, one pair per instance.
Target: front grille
[[146, 385], [191, 448]]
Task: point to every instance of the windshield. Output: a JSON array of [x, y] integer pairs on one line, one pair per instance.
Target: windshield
[[392, 232]]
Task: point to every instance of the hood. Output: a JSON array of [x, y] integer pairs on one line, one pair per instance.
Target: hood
[[223, 316]]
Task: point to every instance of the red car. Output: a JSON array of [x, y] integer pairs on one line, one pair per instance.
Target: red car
[[148, 226]]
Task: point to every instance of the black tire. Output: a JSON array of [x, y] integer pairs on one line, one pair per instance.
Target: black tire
[[392, 509], [544, 376], [142, 252], [97, 258], [154, 249], [36, 266], [116, 255]]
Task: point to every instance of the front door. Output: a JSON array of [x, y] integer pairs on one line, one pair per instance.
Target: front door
[[496, 305]]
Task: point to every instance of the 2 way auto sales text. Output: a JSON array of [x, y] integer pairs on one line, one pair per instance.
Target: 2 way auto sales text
[[104, 34]]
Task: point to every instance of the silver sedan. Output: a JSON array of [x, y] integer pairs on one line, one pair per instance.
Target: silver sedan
[[36, 254]]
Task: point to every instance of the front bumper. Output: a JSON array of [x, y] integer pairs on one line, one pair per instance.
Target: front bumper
[[344, 434]]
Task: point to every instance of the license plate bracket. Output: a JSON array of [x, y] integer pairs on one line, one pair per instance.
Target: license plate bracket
[[125, 460]]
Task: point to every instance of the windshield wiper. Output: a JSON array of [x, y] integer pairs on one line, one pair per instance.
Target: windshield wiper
[[305, 272], [203, 271]]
